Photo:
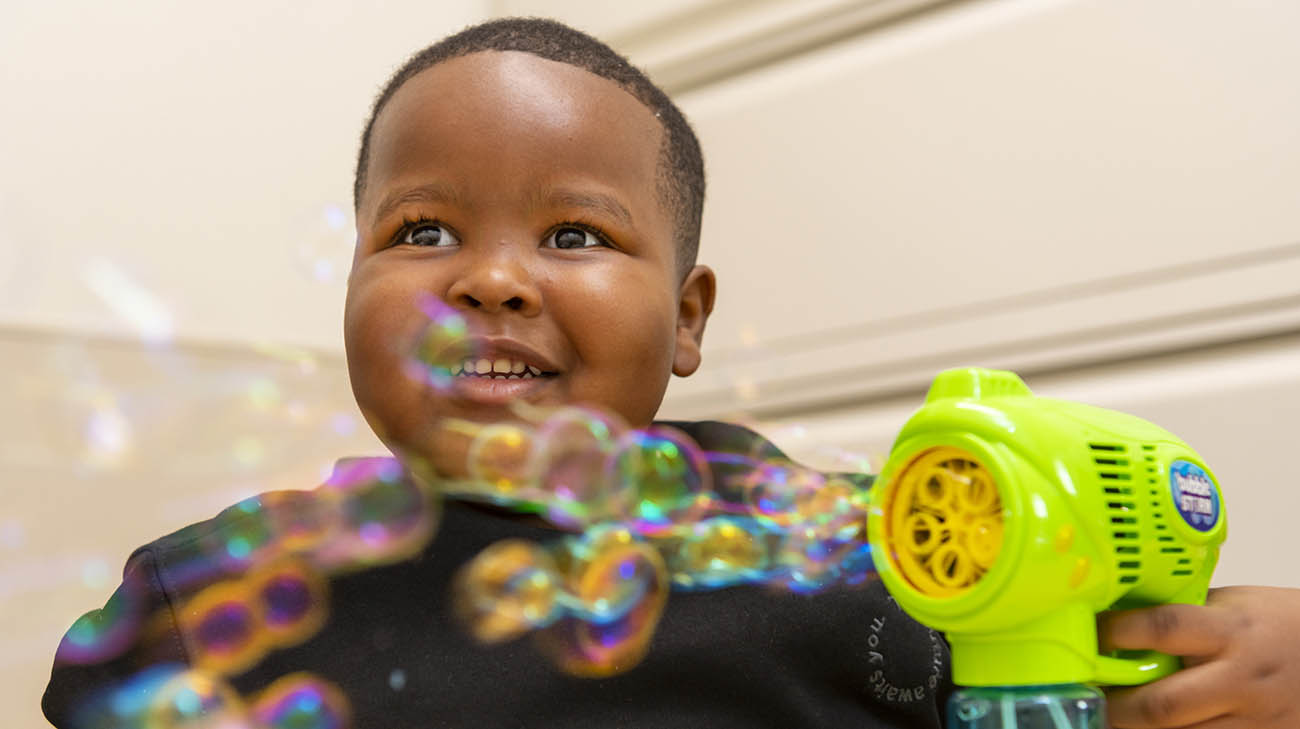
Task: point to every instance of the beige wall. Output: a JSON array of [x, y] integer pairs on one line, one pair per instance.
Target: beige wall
[[1102, 195]]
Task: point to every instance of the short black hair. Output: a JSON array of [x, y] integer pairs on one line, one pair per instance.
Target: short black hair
[[681, 165]]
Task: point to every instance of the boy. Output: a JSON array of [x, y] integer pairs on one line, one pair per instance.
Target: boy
[[525, 175]]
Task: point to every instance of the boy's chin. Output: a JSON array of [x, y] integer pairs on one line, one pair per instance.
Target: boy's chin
[[443, 455]]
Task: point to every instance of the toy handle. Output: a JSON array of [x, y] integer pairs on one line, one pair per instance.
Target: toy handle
[[1140, 667]]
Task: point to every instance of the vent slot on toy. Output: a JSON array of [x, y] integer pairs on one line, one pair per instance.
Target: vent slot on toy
[[1117, 477], [1156, 491]]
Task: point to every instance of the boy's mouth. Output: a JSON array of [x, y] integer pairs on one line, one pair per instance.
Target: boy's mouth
[[502, 370]]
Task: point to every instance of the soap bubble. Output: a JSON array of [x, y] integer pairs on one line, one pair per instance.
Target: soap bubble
[[243, 536], [661, 478], [572, 446], [441, 345], [325, 244], [196, 700], [827, 543], [384, 515], [300, 520], [774, 489], [722, 551], [196, 564], [619, 585], [103, 634], [227, 626], [507, 590], [302, 701], [293, 600], [109, 434], [126, 703], [501, 457]]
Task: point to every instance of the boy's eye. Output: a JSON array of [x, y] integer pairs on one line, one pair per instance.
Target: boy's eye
[[570, 237], [431, 235]]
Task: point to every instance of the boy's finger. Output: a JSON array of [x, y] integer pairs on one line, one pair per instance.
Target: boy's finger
[[1179, 630], [1183, 699]]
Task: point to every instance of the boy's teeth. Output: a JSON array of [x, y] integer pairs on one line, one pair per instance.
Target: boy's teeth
[[504, 368]]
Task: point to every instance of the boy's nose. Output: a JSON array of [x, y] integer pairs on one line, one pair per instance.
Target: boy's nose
[[496, 284]]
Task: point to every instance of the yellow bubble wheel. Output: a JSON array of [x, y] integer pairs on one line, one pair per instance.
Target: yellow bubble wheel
[[944, 522]]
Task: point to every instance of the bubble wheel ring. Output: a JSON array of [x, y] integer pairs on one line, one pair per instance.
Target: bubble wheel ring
[[944, 522]]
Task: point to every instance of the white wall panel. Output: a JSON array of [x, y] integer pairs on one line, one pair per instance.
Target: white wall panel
[[1022, 182]]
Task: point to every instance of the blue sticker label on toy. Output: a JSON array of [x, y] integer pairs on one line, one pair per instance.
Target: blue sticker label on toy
[[1194, 494]]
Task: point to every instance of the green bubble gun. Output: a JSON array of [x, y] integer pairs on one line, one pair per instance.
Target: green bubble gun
[[1008, 521]]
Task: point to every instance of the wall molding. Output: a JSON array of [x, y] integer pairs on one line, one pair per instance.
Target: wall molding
[[1214, 301], [686, 45]]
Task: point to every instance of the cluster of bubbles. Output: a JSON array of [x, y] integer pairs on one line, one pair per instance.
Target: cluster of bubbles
[[171, 696], [643, 511], [256, 583], [649, 511]]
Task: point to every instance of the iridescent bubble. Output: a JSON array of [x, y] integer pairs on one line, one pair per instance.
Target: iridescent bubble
[[196, 564], [722, 551], [828, 542], [441, 346], [775, 488], [661, 478], [301, 520], [343, 424], [109, 434], [507, 590], [619, 586], [293, 600], [227, 627], [733, 476], [243, 537], [836, 509], [125, 703], [384, 516], [263, 394], [501, 457], [103, 634], [196, 700], [302, 701], [248, 451], [95, 573], [324, 247], [572, 447], [811, 562]]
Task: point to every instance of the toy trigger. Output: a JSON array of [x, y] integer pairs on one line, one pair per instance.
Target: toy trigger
[[1140, 667]]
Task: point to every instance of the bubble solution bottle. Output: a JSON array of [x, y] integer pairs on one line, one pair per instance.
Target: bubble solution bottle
[[1059, 706]]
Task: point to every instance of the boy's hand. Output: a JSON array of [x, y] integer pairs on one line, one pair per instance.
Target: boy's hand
[[1241, 658]]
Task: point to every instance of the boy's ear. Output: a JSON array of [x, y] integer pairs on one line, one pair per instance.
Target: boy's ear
[[693, 309]]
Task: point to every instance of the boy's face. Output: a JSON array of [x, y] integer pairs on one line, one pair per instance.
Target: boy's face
[[523, 193]]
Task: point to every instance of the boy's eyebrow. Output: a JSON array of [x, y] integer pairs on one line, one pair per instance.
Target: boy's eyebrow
[[438, 192], [434, 192], [598, 201]]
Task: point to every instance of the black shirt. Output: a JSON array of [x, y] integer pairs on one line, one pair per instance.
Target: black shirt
[[742, 656]]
